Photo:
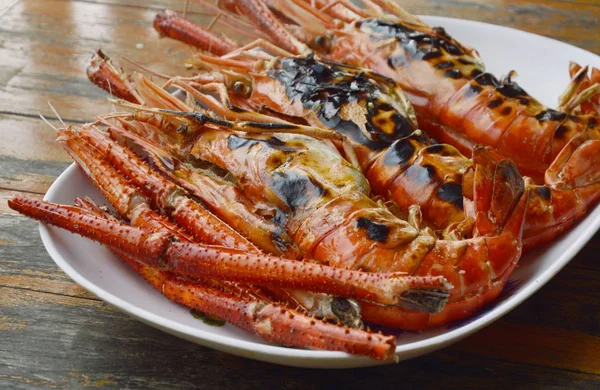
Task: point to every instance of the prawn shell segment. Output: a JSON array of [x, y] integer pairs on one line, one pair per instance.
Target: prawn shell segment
[[414, 171], [433, 65], [353, 104]]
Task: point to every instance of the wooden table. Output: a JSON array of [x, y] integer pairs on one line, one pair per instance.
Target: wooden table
[[55, 334]]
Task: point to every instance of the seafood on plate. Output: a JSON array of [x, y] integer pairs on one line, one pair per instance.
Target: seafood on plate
[[247, 194], [351, 246], [347, 228]]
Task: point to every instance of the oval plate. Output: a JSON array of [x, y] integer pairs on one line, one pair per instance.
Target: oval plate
[[542, 64]]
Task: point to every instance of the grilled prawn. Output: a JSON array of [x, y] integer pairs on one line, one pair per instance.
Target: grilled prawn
[[334, 221]]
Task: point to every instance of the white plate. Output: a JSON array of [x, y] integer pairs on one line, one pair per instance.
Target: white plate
[[542, 64]]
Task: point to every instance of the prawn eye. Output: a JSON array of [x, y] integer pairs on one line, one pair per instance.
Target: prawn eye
[[241, 88], [324, 43]]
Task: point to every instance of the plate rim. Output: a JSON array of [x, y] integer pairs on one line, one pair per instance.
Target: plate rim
[[274, 351]]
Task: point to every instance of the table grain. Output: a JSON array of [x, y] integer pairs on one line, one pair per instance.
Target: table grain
[[54, 334]]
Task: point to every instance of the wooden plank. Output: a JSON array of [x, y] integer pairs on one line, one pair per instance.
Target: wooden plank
[[588, 257], [29, 175], [26, 138], [157, 5], [29, 155], [568, 301], [56, 58], [545, 346], [24, 263], [5, 195]]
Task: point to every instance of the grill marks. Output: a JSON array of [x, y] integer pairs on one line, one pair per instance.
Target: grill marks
[[445, 65], [375, 231], [453, 61], [430, 174], [235, 142], [426, 173], [296, 188], [432, 55], [438, 47], [495, 103], [400, 153], [471, 102], [453, 74], [406, 149], [551, 115], [504, 92], [416, 43], [543, 192], [384, 122], [325, 90], [486, 110], [299, 188], [452, 193], [473, 90]]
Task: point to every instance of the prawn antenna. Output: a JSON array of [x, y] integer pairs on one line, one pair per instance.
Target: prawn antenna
[[146, 69], [46, 121], [185, 8], [56, 113]]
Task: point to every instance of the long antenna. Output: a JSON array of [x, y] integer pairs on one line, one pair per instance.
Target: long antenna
[[146, 69], [56, 113], [114, 109], [185, 8], [47, 122]]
